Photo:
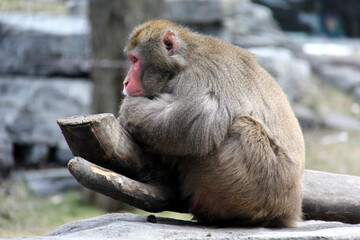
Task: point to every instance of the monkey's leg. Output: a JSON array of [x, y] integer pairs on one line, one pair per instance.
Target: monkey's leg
[[256, 184]]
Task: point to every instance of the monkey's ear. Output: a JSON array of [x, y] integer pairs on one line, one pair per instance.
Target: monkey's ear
[[170, 42]]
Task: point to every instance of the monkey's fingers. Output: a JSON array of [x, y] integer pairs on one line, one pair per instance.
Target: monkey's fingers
[[140, 195]]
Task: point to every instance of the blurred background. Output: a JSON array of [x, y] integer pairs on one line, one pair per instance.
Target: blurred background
[[62, 58]]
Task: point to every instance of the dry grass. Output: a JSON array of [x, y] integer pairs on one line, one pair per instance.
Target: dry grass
[[22, 214], [323, 97], [330, 151]]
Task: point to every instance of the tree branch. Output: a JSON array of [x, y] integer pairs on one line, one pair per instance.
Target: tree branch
[[140, 195]]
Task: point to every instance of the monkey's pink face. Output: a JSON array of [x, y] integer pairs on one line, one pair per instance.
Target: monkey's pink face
[[132, 83], [151, 65]]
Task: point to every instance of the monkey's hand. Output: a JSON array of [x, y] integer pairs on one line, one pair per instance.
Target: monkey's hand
[[130, 115]]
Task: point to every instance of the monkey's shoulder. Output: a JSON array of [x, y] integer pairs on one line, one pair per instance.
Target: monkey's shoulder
[[215, 46]]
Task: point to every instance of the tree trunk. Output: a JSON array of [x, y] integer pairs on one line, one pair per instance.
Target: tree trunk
[[331, 197], [111, 23]]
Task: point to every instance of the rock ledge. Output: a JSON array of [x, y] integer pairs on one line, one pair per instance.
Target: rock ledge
[[130, 226]]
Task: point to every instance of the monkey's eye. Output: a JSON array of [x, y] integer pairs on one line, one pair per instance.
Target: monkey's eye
[[168, 45], [134, 59]]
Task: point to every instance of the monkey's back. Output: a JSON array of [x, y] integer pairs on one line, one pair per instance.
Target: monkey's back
[[247, 186], [249, 90]]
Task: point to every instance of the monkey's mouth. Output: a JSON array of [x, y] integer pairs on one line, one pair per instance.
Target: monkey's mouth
[[136, 93]]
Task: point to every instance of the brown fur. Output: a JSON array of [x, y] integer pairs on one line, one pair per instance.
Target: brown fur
[[225, 124]]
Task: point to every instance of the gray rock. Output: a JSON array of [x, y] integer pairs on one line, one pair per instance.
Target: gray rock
[[248, 24], [292, 74], [345, 77], [50, 181], [335, 61], [43, 45], [77, 7], [130, 226], [36, 154], [307, 117], [237, 21], [29, 107], [60, 45], [337, 121], [6, 152], [247, 18], [357, 93], [194, 11]]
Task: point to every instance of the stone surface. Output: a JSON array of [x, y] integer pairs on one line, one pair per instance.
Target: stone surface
[[34, 154], [357, 93], [237, 21], [248, 24], [130, 226], [29, 107], [43, 45], [336, 61], [334, 120], [6, 152], [77, 7], [194, 11], [307, 117], [38, 44], [345, 77], [50, 181], [292, 74]]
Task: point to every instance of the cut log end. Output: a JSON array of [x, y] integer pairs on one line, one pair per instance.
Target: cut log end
[[83, 119]]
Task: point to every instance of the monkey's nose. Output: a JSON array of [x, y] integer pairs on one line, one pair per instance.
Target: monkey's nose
[[126, 83]]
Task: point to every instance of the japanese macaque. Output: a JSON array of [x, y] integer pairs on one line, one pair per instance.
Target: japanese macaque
[[209, 111]]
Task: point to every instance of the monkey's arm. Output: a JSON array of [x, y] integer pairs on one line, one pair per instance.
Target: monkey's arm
[[186, 126]]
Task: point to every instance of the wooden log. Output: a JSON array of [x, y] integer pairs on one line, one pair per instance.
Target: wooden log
[[140, 195], [331, 197], [100, 140]]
